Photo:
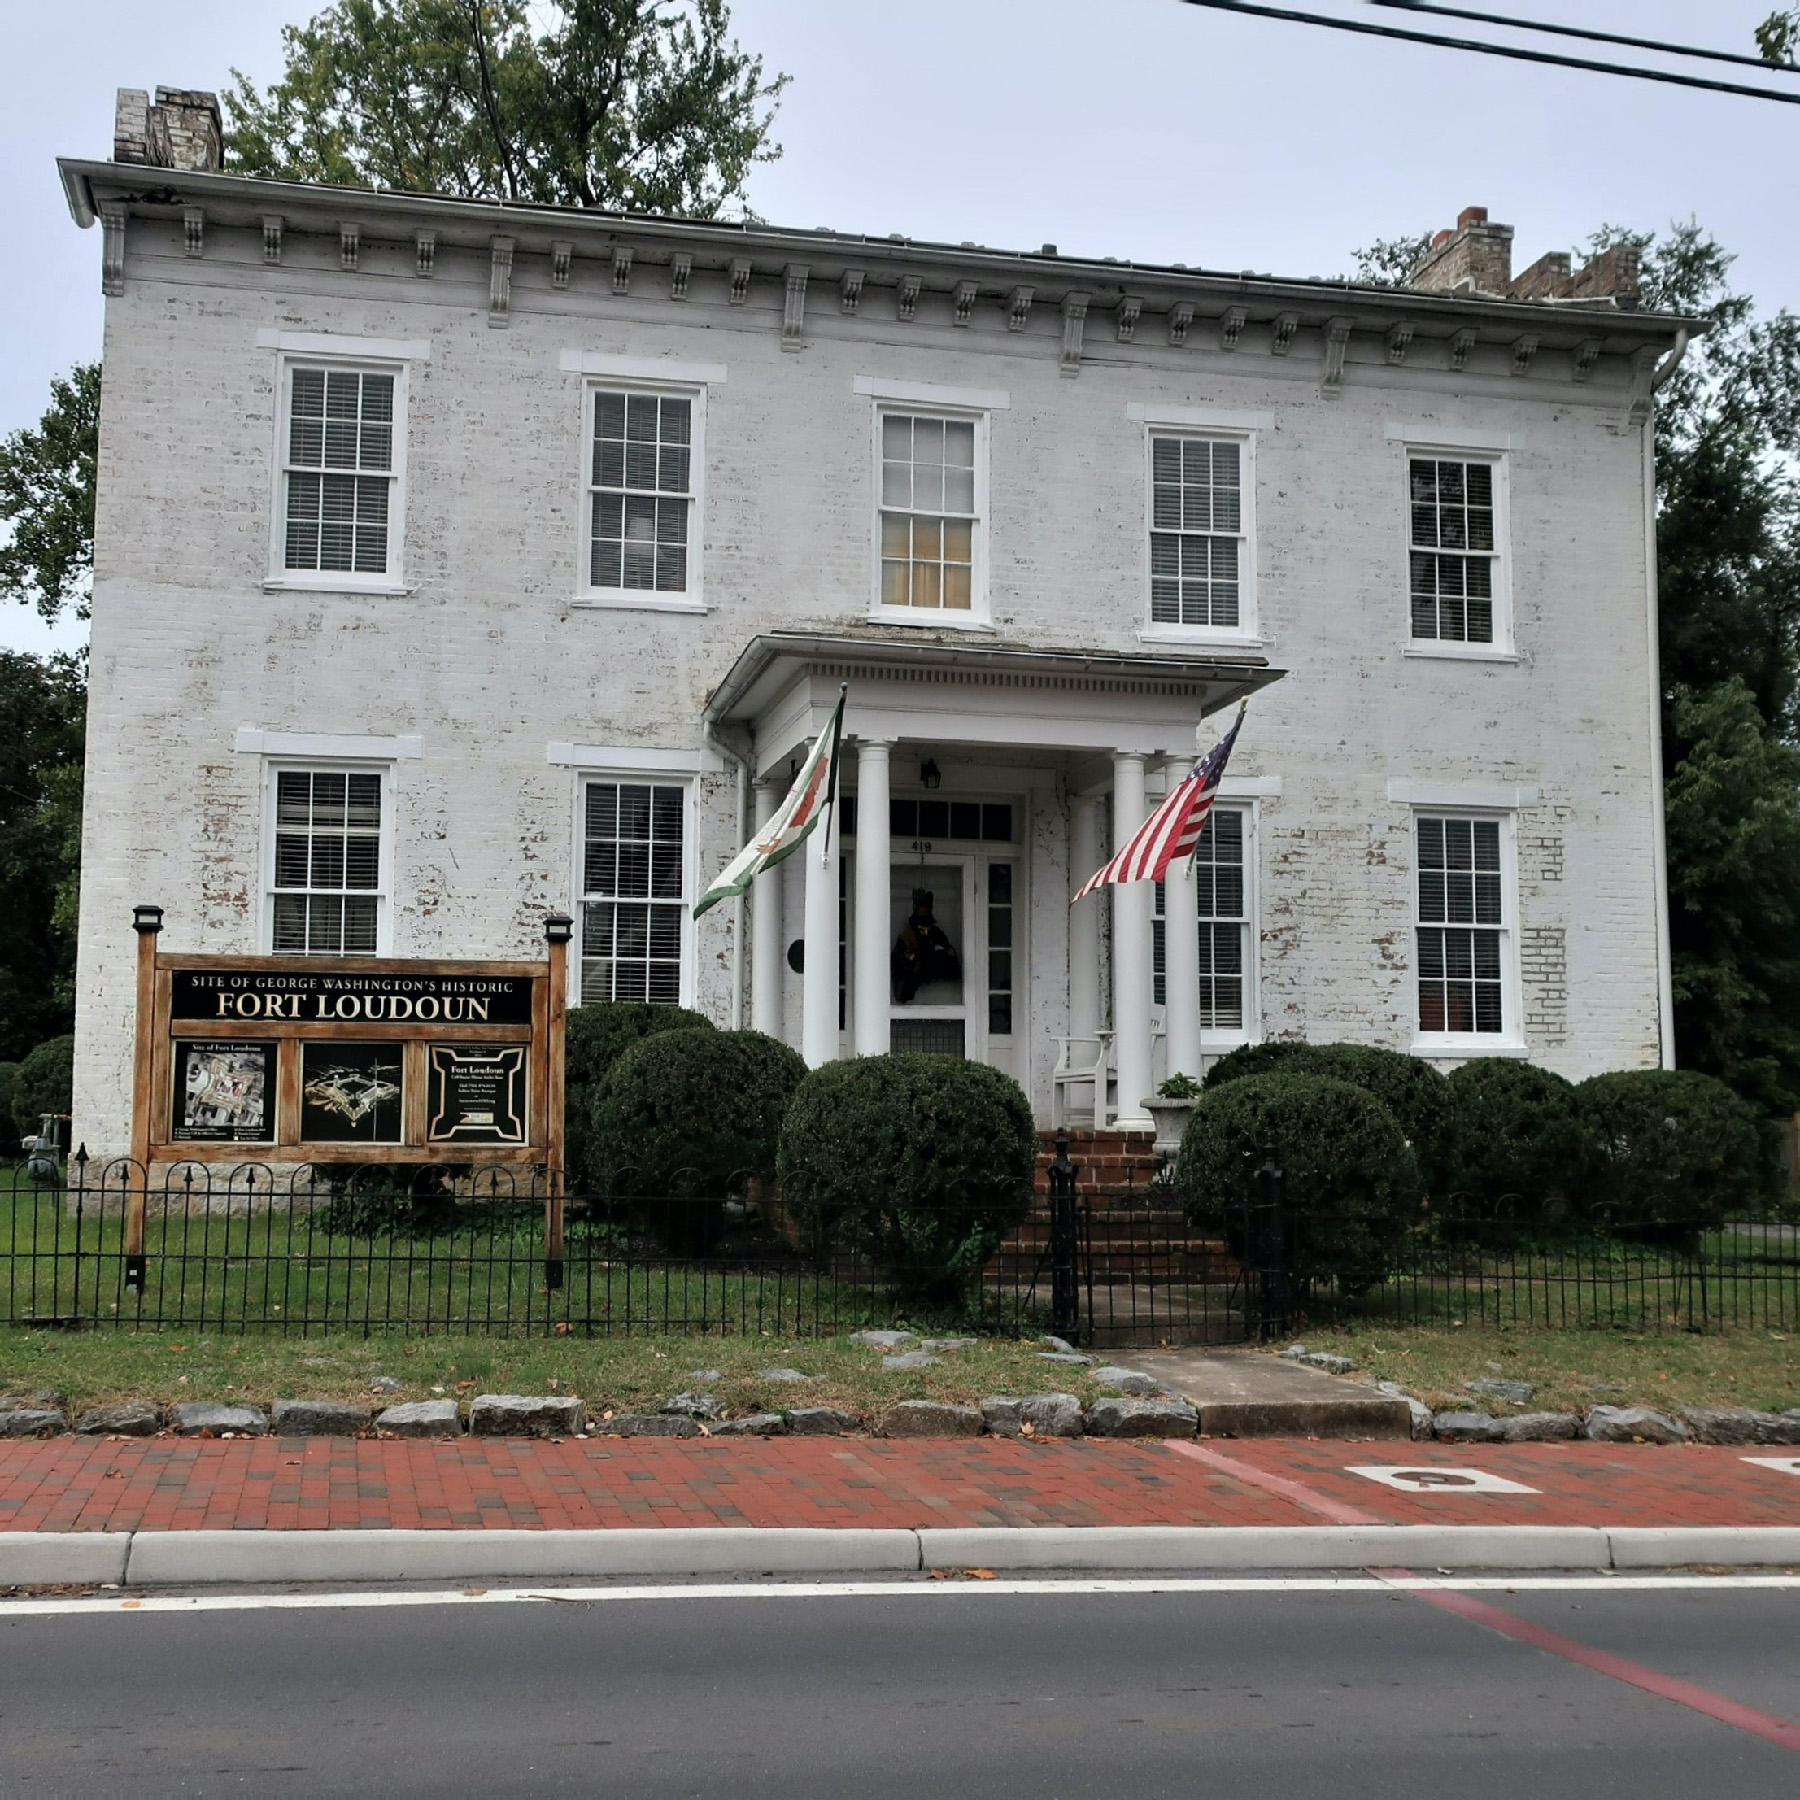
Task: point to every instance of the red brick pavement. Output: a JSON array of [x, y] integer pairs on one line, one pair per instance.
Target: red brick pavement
[[121, 1484]]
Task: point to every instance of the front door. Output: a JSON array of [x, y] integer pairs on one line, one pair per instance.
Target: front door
[[936, 955]]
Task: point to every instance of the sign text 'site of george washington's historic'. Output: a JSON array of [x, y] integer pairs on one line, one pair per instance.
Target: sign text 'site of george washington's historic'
[[307, 996]]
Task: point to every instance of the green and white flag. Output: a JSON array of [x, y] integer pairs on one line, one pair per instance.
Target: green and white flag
[[814, 790]]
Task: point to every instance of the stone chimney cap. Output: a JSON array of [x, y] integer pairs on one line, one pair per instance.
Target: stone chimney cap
[[1470, 215], [183, 130]]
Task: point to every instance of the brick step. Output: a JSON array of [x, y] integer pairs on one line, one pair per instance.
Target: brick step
[[1106, 1162]]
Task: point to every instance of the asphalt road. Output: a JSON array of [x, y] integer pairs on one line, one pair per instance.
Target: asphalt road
[[1042, 1697]]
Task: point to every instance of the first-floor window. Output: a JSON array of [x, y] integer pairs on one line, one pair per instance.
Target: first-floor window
[[1221, 899], [1462, 926], [634, 896], [328, 888]]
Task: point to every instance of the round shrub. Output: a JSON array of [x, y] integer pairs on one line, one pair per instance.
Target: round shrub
[[595, 1038], [1520, 1144], [1352, 1181], [45, 1083], [1255, 1059], [1412, 1090], [709, 1102], [924, 1162], [1673, 1150]]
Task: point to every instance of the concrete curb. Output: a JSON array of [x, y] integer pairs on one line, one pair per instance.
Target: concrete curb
[[200, 1558]]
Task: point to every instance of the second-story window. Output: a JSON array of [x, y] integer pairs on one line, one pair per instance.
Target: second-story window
[[340, 468], [1197, 531], [641, 479], [1456, 579], [930, 514]]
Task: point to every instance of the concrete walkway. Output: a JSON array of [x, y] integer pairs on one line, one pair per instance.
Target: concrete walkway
[[1245, 1394]]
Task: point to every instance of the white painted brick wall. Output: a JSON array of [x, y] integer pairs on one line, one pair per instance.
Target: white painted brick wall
[[487, 660]]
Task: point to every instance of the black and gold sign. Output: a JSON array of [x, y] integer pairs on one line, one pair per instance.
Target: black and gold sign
[[475, 1094], [356, 997]]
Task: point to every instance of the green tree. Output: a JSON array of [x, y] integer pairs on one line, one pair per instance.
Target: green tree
[[47, 499], [1778, 36], [635, 105], [1389, 262], [42, 715]]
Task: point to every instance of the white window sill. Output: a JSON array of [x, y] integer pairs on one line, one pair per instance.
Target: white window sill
[[1209, 636], [334, 584], [1468, 1048], [1445, 652], [929, 618], [637, 600]]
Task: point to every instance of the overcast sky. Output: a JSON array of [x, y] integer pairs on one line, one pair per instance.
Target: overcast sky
[[1133, 128]]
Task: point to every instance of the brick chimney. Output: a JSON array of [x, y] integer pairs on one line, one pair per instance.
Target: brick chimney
[[181, 131], [1475, 258]]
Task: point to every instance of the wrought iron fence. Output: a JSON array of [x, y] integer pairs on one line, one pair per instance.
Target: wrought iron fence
[[311, 1250]]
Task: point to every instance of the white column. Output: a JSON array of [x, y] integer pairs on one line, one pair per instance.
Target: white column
[[1131, 901], [819, 978], [869, 936], [1084, 920], [765, 931], [1181, 970]]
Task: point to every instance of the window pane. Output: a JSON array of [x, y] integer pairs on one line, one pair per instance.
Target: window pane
[[327, 863]]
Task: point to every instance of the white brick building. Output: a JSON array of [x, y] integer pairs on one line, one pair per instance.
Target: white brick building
[[457, 563]]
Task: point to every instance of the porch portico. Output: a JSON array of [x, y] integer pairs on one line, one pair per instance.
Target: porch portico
[[979, 779]]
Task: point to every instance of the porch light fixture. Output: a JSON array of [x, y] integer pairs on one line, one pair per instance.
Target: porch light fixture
[[931, 775]]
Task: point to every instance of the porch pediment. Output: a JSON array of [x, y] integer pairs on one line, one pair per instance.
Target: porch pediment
[[937, 687]]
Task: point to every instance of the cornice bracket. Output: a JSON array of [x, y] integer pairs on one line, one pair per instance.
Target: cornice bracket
[[1585, 358], [349, 246], [963, 303], [1180, 318], [562, 262], [793, 311], [1286, 324], [622, 254], [1018, 308], [1130, 309], [1074, 318], [739, 290], [112, 247], [500, 280], [273, 225], [1644, 364], [1523, 350], [909, 297], [1399, 340], [1231, 327], [1337, 341], [850, 288], [681, 271], [425, 254], [193, 230], [1461, 343]]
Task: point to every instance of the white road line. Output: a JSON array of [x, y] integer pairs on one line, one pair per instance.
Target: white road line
[[109, 1606]]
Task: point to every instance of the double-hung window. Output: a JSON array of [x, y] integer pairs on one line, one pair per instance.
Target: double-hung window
[[342, 438], [1456, 559], [327, 863], [1465, 928], [1198, 531], [642, 479], [930, 517], [1220, 887], [634, 891]]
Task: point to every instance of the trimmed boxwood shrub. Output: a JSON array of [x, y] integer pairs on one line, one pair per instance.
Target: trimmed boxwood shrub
[[1674, 1151], [596, 1037], [1521, 1149], [709, 1102], [1255, 1059], [1412, 1090], [1352, 1180], [924, 1162], [45, 1083]]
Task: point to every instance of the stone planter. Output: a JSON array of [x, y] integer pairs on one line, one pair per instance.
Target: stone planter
[[1171, 1118]]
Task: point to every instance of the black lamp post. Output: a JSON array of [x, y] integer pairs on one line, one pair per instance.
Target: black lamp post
[[931, 775]]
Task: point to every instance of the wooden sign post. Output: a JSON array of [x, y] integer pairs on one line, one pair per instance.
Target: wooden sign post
[[353, 1059]]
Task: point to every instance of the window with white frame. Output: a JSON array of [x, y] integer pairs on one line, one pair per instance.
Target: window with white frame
[[1198, 531], [1221, 889], [340, 471], [1456, 577], [327, 880], [642, 478], [634, 898], [930, 522], [1464, 926]]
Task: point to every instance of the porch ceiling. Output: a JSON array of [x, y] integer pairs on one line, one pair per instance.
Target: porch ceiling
[[939, 688]]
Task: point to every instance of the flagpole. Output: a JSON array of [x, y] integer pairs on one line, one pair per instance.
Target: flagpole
[[831, 780]]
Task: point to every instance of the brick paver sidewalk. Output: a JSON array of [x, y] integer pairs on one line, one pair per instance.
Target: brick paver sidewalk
[[122, 1484]]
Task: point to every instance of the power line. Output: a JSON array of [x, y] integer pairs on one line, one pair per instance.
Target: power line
[[1595, 37], [1512, 52]]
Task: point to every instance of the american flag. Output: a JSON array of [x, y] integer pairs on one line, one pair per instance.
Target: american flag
[[1174, 828]]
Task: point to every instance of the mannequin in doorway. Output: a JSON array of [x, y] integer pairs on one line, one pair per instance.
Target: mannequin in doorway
[[922, 953]]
